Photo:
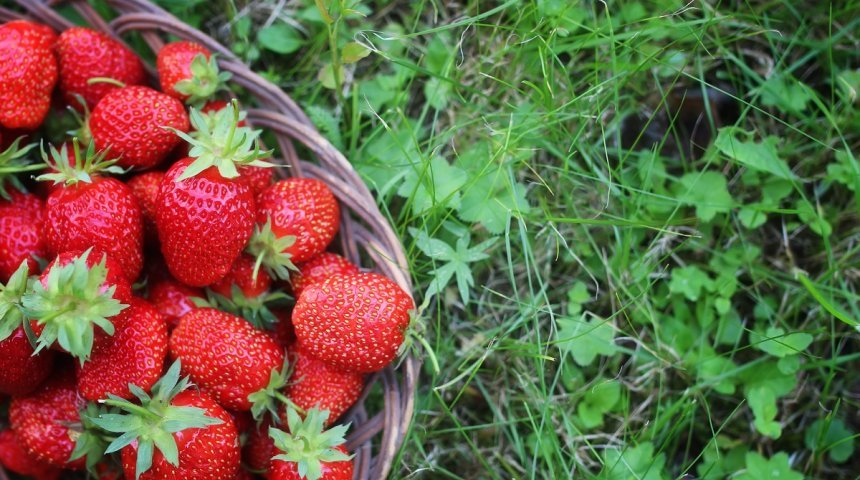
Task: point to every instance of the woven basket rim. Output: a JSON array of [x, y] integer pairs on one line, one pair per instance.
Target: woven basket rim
[[363, 227]]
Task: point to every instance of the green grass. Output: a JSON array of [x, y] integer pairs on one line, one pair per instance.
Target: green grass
[[648, 309]]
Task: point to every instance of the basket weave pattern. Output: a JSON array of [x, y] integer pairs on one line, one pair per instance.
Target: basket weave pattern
[[374, 436]]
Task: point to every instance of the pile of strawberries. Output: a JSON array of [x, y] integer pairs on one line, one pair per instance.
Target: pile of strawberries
[[167, 309]]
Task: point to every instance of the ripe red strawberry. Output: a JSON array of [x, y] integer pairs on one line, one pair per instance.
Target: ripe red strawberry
[[14, 458], [85, 54], [241, 275], [162, 439], [259, 447], [203, 223], [133, 355], [28, 73], [284, 333], [188, 72], [21, 370], [172, 299], [48, 422], [296, 219], [91, 210], [77, 292], [308, 448], [316, 384], [318, 269], [130, 124], [229, 359], [353, 322], [22, 219], [145, 187], [205, 214]]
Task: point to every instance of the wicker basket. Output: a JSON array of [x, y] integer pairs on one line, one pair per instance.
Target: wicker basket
[[374, 437]]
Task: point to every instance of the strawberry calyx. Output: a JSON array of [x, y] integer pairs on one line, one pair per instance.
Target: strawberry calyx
[[308, 444], [270, 251], [89, 441], [206, 79], [69, 303], [153, 420], [223, 145], [266, 399], [79, 167], [11, 316], [13, 160], [256, 310]]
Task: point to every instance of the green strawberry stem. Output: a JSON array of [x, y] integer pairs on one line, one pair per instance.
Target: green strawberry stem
[[69, 305], [153, 422], [11, 294], [108, 80], [307, 444], [264, 400], [270, 251], [223, 145], [255, 309], [12, 161], [90, 441], [206, 79], [85, 164]]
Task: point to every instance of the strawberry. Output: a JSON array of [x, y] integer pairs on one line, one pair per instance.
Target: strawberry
[[77, 292], [284, 333], [296, 219], [353, 322], [130, 123], [172, 299], [205, 215], [133, 355], [28, 73], [308, 451], [91, 210], [175, 433], [21, 370], [259, 447], [241, 276], [86, 54], [14, 458], [49, 425], [318, 269], [316, 384], [229, 359], [241, 294], [188, 71], [22, 219], [145, 187]]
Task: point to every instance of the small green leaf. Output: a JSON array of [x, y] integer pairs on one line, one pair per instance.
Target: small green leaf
[[326, 76], [637, 462], [708, 192], [830, 435], [761, 156], [786, 93], [597, 401], [762, 402], [810, 216], [492, 201], [322, 7], [353, 52], [279, 38], [585, 340], [779, 344], [776, 468], [690, 281], [752, 218]]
